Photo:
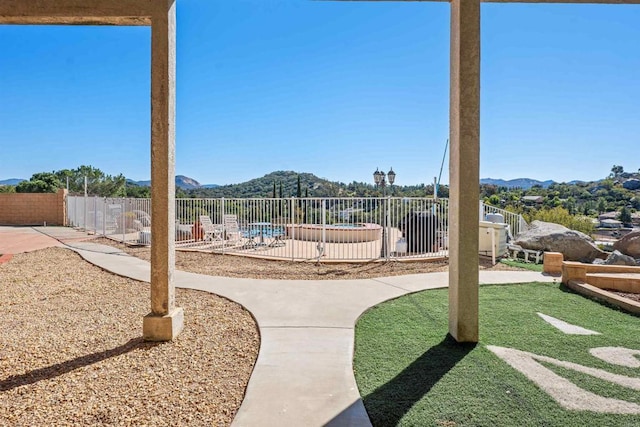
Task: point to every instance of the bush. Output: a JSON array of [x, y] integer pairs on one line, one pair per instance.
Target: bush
[[560, 215]]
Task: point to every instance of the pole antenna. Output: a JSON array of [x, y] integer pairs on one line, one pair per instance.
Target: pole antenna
[[444, 156]]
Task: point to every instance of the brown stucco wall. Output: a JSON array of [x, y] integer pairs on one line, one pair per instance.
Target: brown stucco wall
[[33, 208]]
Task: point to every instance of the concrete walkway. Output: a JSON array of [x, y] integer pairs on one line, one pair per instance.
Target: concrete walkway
[[15, 240], [304, 373]]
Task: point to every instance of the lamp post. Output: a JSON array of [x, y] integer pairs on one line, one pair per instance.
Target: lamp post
[[380, 179]]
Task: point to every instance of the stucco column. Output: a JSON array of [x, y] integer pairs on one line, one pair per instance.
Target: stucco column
[[165, 320], [464, 170]]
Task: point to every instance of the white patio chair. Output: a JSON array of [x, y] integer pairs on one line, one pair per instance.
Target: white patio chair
[[231, 229], [212, 232]]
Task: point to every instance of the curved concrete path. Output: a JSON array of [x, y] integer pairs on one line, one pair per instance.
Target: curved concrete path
[[304, 373]]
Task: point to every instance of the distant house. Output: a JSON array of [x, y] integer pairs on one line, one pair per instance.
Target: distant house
[[608, 215], [610, 223], [530, 200]]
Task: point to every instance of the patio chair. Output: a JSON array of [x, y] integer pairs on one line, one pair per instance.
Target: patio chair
[[212, 232], [231, 229]]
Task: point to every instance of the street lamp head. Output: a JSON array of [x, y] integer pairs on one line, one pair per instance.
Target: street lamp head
[[391, 175], [378, 176]]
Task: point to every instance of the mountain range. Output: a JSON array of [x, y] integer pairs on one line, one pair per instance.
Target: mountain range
[[524, 183], [187, 183], [11, 181], [182, 181]]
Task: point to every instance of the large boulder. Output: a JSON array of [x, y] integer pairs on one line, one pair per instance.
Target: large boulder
[[546, 236], [629, 244], [631, 184], [618, 258]]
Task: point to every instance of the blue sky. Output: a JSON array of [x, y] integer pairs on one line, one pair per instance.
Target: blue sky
[[332, 88]]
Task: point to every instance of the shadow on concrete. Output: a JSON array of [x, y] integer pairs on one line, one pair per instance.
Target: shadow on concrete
[[353, 416], [73, 364], [390, 402]]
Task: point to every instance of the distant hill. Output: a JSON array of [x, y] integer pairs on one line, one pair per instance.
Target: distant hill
[[263, 187], [524, 183], [12, 181], [182, 181], [286, 183]]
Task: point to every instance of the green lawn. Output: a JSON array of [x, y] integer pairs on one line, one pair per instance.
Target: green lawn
[[410, 373], [521, 264]]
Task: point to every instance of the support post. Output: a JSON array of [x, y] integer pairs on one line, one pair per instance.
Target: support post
[[165, 321], [464, 168]]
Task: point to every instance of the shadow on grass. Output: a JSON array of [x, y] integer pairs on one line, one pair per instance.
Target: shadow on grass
[[58, 369], [390, 402]]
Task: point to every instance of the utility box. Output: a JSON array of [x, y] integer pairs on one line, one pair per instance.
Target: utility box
[[494, 217], [492, 233]]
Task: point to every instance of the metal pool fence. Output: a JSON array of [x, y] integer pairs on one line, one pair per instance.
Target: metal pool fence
[[326, 229]]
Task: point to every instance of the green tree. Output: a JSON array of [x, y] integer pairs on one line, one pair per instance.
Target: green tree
[[625, 215], [43, 182], [98, 183], [140, 191], [570, 205], [602, 205], [616, 171], [493, 200]]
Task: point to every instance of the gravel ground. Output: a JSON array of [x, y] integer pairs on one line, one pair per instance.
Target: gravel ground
[[256, 268], [71, 351]]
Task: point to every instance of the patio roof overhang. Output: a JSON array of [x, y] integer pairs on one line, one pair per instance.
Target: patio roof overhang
[[80, 12]]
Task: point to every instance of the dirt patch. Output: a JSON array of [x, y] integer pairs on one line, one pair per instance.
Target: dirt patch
[[238, 266]]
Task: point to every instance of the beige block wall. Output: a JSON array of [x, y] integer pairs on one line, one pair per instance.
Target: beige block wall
[[552, 262], [33, 208]]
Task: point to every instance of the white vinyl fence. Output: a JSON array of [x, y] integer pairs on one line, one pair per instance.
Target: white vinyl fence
[[328, 229]]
